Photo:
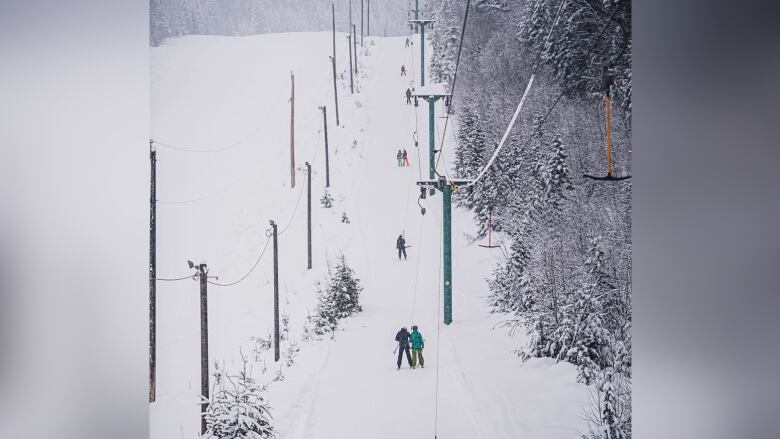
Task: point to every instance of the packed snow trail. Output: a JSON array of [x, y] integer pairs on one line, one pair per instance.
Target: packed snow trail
[[347, 387], [484, 390]]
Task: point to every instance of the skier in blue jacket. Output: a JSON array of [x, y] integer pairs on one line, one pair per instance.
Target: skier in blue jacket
[[417, 347]]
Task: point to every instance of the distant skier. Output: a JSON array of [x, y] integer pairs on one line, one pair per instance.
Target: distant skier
[[408, 97], [403, 70], [406, 158], [417, 347], [407, 41], [400, 158], [402, 337], [400, 244]]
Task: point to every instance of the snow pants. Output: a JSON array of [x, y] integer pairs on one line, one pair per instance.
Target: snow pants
[[406, 161], [401, 250], [400, 161], [408, 100], [417, 353], [401, 350]]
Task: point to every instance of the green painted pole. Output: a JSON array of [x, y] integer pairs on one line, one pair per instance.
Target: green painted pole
[[447, 249], [422, 54], [431, 138], [416, 10]]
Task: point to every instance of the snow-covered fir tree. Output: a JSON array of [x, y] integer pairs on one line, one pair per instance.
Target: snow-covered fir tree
[[338, 299], [327, 199], [237, 408]]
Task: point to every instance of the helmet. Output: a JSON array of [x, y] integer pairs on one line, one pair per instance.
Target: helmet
[[403, 328], [414, 327]]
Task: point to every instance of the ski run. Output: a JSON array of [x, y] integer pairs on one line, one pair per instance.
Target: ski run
[[231, 95]]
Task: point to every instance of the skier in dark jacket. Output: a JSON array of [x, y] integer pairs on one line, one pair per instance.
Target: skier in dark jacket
[[408, 97], [402, 337], [406, 158], [400, 244], [403, 70]]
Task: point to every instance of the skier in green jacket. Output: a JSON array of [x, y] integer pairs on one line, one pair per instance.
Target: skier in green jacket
[[417, 347]]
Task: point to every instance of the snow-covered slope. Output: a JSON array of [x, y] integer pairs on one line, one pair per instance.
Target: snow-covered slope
[[217, 92]]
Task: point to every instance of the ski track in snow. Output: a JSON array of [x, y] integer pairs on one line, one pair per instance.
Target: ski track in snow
[[209, 88]]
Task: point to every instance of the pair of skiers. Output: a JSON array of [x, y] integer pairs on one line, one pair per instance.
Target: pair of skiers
[[404, 339], [403, 158], [400, 244]]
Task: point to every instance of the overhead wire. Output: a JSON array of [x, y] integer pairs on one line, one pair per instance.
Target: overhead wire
[[175, 279], [257, 261], [204, 197], [438, 335], [209, 150], [454, 78]]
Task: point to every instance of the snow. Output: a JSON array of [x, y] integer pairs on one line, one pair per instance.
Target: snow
[[212, 92]]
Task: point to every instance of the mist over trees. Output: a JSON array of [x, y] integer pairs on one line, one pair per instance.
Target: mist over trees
[[176, 18], [565, 274]]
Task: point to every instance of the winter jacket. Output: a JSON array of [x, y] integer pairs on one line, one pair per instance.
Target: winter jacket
[[402, 337], [408, 93], [417, 340], [400, 243]]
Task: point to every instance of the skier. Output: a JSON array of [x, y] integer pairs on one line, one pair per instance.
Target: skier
[[406, 158], [403, 70], [417, 347], [408, 97], [400, 158], [402, 337], [407, 41], [400, 244]]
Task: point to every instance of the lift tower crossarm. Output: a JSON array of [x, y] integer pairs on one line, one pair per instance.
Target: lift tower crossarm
[[431, 93]]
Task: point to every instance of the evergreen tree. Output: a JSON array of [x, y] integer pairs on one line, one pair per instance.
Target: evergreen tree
[[469, 154], [237, 409], [327, 199], [339, 299]]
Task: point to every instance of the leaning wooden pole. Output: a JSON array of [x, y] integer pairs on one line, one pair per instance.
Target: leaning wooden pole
[[292, 129], [333, 61]]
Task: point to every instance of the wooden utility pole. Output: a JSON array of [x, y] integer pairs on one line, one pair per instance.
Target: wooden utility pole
[[276, 293], [308, 211], [327, 155], [204, 344], [292, 129], [153, 274], [333, 61], [354, 45], [351, 81]]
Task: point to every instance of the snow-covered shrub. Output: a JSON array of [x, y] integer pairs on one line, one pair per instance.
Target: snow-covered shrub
[[327, 199], [344, 218], [237, 409], [340, 298], [259, 346]]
